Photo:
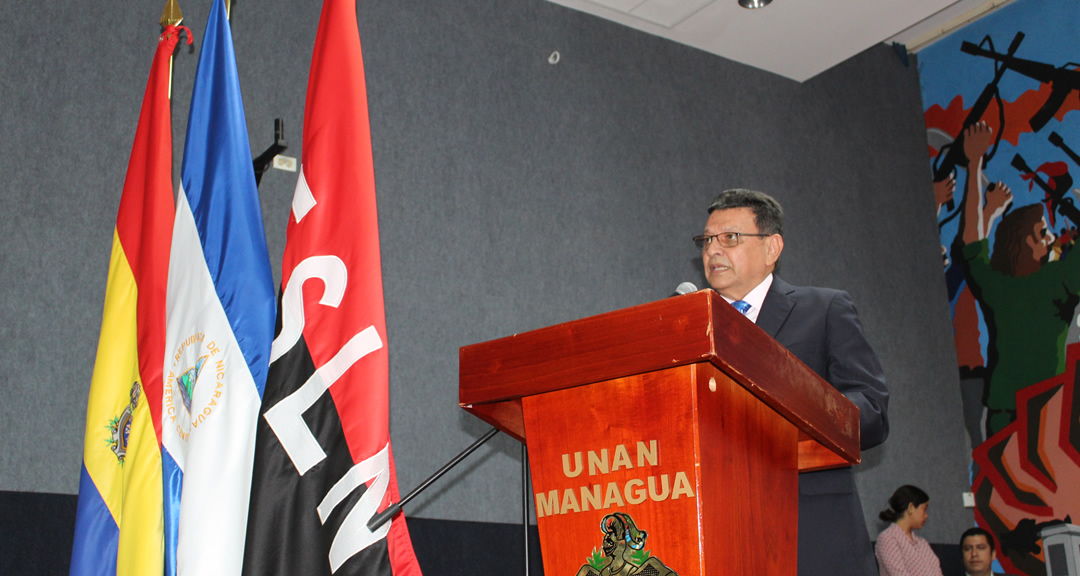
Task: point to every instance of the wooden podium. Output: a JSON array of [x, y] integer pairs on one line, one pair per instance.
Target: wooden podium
[[665, 438]]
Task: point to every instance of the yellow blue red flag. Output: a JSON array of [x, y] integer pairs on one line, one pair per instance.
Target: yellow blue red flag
[[118, 526]]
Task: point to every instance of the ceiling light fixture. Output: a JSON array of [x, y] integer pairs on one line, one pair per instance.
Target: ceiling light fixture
[[752, 4]]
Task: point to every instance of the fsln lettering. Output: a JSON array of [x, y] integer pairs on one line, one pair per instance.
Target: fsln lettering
[[284, 417], [353, 535], [334, 275]]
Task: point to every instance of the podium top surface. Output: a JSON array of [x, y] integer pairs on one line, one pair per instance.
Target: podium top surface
[[697, 327]]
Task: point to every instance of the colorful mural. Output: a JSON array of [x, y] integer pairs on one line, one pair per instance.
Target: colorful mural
[[1001, 99]]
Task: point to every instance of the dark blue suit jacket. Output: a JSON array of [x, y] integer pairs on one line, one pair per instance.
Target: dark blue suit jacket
[[821, 327]]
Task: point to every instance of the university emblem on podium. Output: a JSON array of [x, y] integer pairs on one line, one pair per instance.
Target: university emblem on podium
[[623, 551]]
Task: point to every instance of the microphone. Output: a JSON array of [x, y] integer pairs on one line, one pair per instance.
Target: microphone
[[685, 288]]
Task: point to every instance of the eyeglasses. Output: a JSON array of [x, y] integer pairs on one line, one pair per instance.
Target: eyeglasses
[[726, 239]]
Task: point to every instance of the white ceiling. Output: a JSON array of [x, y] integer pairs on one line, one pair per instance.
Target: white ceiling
[[793, 38]]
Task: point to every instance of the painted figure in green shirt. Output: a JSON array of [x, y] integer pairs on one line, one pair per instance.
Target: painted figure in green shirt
[[1027, 300]]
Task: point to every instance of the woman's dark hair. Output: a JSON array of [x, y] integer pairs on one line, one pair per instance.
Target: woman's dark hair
[[898, 503]]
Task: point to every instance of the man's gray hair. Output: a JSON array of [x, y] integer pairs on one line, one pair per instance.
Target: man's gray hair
[[768, 215]]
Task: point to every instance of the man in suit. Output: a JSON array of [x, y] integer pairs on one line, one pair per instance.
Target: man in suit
[[740, 247]]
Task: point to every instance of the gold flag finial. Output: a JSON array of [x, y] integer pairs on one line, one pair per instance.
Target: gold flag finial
[[171, 16]]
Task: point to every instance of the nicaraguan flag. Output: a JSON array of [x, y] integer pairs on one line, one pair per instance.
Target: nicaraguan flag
[[324, 465], [118, 525], [220, 324]]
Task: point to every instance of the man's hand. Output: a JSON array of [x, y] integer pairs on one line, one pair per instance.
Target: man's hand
[[998, 198], [977, 140], [943, 191]]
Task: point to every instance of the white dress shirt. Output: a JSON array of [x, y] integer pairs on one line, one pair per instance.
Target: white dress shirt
[[755, 298]]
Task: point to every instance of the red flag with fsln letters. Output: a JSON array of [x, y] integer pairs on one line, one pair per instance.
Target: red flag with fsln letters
[[323, 463]]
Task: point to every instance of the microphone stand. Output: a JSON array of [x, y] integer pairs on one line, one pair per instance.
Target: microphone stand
[[395, 508]]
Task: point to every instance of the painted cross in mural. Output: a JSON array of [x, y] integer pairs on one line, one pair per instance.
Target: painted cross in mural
[[1002, 109]]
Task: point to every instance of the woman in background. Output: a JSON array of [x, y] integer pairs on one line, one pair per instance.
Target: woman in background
[[899, 551]]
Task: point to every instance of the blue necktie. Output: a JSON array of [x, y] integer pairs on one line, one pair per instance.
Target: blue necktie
[[742, 306]]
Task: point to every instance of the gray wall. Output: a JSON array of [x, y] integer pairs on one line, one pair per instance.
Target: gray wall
[[513, 194]]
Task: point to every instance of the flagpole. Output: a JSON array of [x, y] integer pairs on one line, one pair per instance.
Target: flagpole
[[171, 16]]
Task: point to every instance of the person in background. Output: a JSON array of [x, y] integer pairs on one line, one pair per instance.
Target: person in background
[[979, 551], [899, 551]]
